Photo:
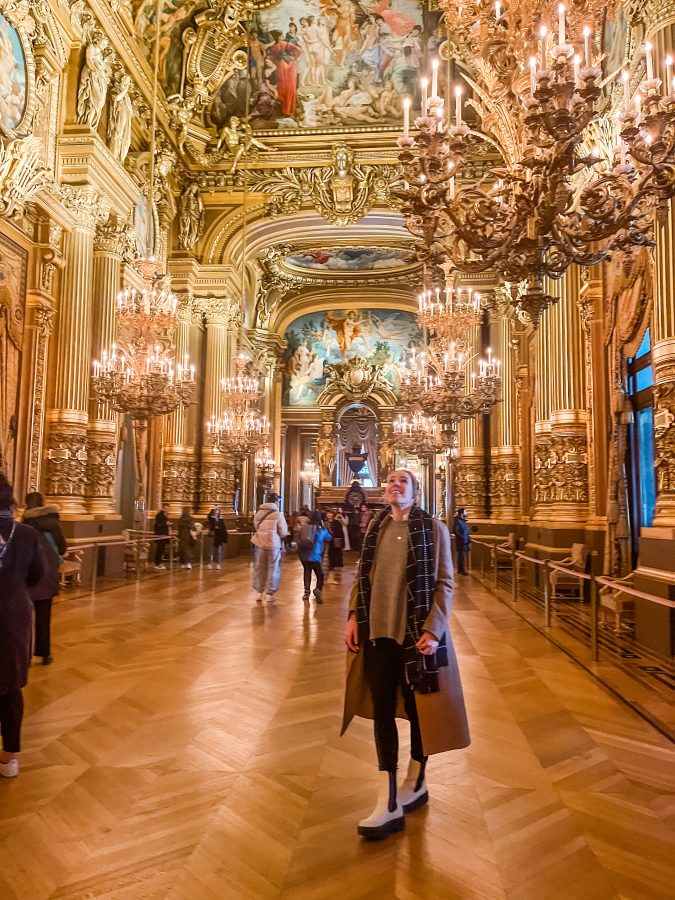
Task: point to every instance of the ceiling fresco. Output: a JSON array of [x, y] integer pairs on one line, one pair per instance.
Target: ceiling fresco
[[325, 64], [352, 259], [319, 340]]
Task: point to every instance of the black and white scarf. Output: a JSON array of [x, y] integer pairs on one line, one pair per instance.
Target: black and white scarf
[[421, 671]]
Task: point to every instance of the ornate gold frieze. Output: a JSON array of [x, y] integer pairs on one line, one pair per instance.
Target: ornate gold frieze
[[505, 485], [43, 321], [470, 487], [560, 469], [664, 433], [179, 481], [341, 193], [101, 465], [356, 379], [220, 311], [216, 484], [66, 462], [88, 207]]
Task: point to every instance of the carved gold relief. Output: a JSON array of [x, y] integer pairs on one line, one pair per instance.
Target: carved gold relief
[[560, 469], [66, 462]]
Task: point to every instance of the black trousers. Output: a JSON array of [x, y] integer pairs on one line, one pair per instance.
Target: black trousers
[[384, 670], [462, 555], [160, 547], [307, 569], [11, 715], [43, 627]]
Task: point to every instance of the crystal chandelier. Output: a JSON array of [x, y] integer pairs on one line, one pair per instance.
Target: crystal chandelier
[[551, 201], [416, 434], [449, 313], [238, 433], [264, 462], [139, 376], [442, 386], [310, 473], [243, 391]]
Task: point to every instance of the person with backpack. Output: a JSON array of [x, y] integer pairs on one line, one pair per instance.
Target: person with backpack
[[52, 547], [269, 530], [335, 548], [310, 551], [20, 568]]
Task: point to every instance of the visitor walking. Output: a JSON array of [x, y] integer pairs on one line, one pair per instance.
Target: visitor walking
[[460, 529], [20, 568], [185, 538], [344, 522], [161, 529], [335, 548], [310, 551], [364, 516], [218, 530], [269, 530], [52, 547], [401, 661]]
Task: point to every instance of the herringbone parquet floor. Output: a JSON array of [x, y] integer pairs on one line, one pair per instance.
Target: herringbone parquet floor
[[184, 745]]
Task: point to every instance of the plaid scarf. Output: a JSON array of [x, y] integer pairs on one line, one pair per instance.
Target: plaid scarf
[[421, 671]]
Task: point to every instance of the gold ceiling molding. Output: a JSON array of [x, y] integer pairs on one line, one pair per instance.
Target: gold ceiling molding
[[342, 192], [278, 282]]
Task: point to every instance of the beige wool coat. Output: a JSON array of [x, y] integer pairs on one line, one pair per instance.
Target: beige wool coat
[[442, 715]]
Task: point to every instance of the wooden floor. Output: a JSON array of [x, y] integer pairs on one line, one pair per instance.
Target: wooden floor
[[184, 745]]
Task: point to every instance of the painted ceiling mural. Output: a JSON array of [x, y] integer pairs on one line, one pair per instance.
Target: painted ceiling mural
[[319, 340], [12, 76], [352, 259], [313, 63]]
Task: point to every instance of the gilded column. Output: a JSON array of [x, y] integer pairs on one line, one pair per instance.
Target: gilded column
[[568, 453], [663, 352], [541, 479], [505, 450], [222, 318], [470, 486], [179, 470], [66, 476], [110, 244]]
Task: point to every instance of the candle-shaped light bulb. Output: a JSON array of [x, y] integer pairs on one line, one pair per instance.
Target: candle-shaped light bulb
[[434, 78], [669, 75], [638, 101], [561, 24], [625, 77], [406, 117], [498, 10], [424, 84], [458, 104], [587, 46], [649, 58], [533, 72], [577, 68], [543, 37]]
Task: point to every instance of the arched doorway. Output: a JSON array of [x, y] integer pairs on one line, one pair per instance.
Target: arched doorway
[[357, 432]]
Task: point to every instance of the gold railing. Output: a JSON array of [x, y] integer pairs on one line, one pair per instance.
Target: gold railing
[[548, 566]]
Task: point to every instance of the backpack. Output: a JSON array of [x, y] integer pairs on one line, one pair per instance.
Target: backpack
[[306, 541]]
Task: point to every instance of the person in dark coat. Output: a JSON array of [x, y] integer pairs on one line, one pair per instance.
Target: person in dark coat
[[52, 547], [218, 531], [460, 529], [20, 568], [161, 528], [335, 548]]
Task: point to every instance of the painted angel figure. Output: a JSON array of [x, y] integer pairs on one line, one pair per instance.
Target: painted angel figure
[[238, 138]]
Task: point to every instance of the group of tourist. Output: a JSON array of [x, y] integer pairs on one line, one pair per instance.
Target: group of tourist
[[401, 659], [188, 533]]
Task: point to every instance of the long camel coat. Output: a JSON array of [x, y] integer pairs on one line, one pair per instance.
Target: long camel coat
[[442, 715]]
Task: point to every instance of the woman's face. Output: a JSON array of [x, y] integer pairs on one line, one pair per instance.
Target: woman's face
[[400, 490]]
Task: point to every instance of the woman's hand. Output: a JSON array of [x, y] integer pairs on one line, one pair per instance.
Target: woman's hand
[[427, 644], [352, 633]]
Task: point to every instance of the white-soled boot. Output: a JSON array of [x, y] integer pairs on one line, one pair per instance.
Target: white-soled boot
[[387, 817], [413, 792]]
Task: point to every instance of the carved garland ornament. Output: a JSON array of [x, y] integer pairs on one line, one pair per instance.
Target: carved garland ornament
[[561, 469]]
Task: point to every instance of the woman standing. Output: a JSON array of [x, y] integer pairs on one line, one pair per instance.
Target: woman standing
[[161, 530], [20, 567], [401, 661], [45, 520], [310, 551], [219, 533]]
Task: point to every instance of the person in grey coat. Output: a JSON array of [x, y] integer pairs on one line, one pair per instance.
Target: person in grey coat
[[20, 567]]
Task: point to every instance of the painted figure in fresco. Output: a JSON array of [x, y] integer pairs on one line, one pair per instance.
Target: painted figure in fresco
[[94, 81], [12, 80], [347, 328], [284, 55]]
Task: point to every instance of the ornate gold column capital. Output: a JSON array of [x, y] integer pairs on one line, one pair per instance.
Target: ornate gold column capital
[[114, 237], [220, 311], [89, 208]]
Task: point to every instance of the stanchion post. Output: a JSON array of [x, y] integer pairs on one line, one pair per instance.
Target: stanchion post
[[94, 567], [514, 580], [170, 551], [547, 596], [496, 553], [594, 619], [201, 549], [138, 558]]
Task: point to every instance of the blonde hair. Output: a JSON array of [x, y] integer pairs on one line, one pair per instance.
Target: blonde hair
[[413, 479]]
